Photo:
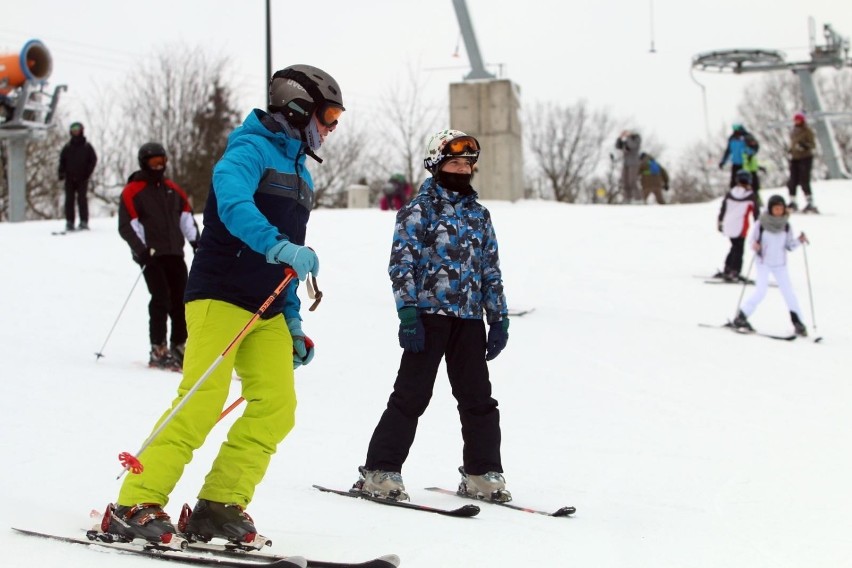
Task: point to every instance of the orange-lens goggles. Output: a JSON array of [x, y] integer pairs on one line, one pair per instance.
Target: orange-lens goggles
[[328, 115], [462, 145], [157, 162]]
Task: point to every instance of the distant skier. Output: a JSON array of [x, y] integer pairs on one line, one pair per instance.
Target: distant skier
[[801, 152], [629, 143], [154, 217], [653, 177], [445, 274], [77, 162], [395, 193], [741, 145], [771, 238], [739, 206]]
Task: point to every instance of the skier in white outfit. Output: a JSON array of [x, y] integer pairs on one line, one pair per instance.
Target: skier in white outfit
[[771, 239]]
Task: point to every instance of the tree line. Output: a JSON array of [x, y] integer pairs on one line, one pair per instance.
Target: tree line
[[188, 104]]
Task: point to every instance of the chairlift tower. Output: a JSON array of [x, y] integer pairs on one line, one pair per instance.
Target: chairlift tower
[[26, 113], [487, 107], [835, 53]]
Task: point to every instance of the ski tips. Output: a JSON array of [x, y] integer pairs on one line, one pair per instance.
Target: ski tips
[[392, 559]]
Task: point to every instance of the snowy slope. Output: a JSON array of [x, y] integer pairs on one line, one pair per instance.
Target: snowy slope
[[680, 446]]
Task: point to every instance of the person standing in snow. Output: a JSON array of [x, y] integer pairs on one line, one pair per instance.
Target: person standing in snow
[[629, 143], [154, 217], [653, 178], [445, 275], [395, 193], [771, 238], [741, 145], [77, 161], [801, 152], [738, 206], [255, 223]]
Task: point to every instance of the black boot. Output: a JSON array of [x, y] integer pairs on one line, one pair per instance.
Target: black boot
[[147, 521], [800, 328], [741, 322], [210, 519]]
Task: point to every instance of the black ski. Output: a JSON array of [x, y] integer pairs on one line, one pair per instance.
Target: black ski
[[199, 558], [561, 512], [744, 331], [386, 561], [516, 313], [466, 511]]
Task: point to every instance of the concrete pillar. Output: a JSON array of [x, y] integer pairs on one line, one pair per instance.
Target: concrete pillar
[[358, 196], [490, 111], [16, 171]]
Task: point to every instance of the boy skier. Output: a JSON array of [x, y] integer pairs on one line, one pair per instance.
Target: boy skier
[[739, 204]]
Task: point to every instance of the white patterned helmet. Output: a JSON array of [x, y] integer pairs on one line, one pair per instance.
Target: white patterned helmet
[[450, 144]]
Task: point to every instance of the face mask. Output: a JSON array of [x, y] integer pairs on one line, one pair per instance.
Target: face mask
[[459, 183], [312, 135]]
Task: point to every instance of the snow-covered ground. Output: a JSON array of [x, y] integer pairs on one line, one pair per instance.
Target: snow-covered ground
[[680, 446]]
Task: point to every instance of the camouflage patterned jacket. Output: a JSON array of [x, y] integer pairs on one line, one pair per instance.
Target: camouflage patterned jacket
[[444, 257]]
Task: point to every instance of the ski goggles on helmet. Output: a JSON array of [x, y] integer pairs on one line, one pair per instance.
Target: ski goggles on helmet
[[157, 162], [329, 113], [462, 146]]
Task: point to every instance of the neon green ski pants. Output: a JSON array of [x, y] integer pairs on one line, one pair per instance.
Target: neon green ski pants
[[263, 360]]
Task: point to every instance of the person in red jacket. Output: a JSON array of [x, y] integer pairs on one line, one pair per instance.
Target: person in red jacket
[[154, 217]]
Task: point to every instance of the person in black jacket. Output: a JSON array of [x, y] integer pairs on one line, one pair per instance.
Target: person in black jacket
[[76, 163], [154, 217]]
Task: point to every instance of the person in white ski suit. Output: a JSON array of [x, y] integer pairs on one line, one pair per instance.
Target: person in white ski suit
[[771, 239]]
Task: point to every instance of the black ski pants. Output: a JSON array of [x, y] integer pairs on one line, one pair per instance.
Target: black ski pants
[[166, 280], [734, 260], [462, 343], [800, 174], [75, 191]]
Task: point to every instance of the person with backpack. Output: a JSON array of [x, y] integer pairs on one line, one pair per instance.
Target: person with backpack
[[154, 218], [741, 145], [771, 238], [739, 206], [653, 178], [445, 275]]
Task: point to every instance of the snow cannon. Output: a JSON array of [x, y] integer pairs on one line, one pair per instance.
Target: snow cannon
[[33, 63]]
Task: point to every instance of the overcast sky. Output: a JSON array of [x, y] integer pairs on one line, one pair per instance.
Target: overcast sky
[[553, 50]]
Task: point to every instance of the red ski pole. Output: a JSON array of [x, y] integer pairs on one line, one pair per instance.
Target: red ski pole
[[130, 461]]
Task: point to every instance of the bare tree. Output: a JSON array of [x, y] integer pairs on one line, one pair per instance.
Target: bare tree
[[45, 195], [837, 97], [697, 178], [567, 144], [343, 155], [410, 120], [185, 104]]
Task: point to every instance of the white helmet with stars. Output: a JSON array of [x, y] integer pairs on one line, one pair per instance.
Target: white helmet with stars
[[450, 144]]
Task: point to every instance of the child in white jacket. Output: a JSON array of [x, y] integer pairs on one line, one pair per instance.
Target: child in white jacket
[[771, 239], [738, 209]]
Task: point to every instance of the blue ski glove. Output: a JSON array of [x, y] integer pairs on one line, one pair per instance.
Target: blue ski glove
[[303, 346], [498, 336], [303, 259], [412, 336]]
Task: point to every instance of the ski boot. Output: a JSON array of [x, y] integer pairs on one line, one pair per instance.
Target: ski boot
[[145, 521], [741, 323], [229, 521], [161, 358], [810, 207], [177, 350], [731, 276], [84, 226], [800, 328], [490, 486], [792, 207], [382, 484]]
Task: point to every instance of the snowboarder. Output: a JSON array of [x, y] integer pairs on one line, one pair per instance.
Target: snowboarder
[[445, 275], [738, 205], [77, 161], [801, 152], [154, 217], [771, 238], [255, 222]]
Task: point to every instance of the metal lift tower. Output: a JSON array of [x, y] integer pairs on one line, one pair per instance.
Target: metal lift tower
[[488, 108]]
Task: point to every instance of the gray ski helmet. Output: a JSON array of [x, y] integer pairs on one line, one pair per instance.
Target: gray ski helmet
[[298, 91], [743, 177], [148, 151], [773, 201]]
